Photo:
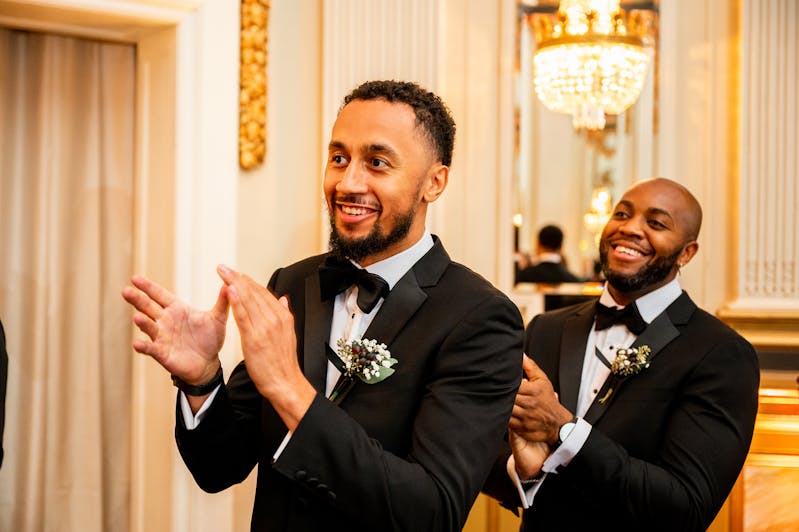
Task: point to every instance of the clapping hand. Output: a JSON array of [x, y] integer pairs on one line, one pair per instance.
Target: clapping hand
[[537, 413], [528, 455], [269, 345], [184, 340], [535, 420]]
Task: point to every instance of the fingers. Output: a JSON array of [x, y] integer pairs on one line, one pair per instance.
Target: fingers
[[142, 302], [245, 298], [155, 291], [145, 348], [146, 325], [253, 305]]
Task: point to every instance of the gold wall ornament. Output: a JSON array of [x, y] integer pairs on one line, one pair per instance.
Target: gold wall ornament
[[252, 83]]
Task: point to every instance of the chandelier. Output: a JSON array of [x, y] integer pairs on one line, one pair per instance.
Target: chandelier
[[591, 60]]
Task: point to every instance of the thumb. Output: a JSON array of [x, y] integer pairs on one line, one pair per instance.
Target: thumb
[[529, 367], [221, 306]]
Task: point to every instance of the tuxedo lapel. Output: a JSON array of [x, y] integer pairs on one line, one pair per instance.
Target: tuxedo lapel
[[408, 294], [318, 318], [576, 329], [657, 336], [401, 303]]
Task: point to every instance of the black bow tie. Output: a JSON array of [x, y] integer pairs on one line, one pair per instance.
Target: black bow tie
[[336, 275], [610, 316]]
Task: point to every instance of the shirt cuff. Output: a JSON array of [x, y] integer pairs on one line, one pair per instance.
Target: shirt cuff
[[282, 446], [527, 489], [190, 419], [569, 448]]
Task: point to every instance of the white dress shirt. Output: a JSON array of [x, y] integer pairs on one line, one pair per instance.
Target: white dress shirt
[[594, 374]]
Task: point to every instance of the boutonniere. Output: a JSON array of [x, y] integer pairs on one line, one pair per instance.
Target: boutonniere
[[629, 361], [364, 359]]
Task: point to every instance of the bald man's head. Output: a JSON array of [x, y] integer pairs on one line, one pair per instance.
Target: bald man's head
[[651, 234]]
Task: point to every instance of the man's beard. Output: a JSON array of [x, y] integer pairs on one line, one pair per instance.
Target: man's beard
[[376, 241], [649, 275]]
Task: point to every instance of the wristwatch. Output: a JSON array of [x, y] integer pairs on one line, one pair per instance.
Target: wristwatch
[[566, 429]]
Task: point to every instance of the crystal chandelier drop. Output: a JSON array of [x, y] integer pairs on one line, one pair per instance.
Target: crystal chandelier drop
[[590, 61]]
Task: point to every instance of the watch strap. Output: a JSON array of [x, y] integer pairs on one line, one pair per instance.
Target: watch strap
[[198, 390], [561, 436]]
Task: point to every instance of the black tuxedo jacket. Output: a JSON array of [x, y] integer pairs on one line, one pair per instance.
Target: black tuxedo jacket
[[666, 446], [546, 272], [408, 453]]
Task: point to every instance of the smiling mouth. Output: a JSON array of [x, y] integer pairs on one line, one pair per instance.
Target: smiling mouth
[[628, 251], [355, 210]]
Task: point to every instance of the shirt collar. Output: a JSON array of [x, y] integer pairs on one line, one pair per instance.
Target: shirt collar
[[549, 257], [394, 267], [651, 305]]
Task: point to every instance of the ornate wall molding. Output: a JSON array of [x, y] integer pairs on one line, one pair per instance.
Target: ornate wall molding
[[769, 188], [766, 310]]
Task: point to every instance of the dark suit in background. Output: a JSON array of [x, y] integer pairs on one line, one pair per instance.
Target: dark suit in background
[[546, 272], [3, 384], [412, 450]]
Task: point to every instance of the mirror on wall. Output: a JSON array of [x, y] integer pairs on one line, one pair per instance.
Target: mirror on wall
[[568, 172]]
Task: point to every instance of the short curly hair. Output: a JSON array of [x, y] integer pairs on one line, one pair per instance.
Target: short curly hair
[[431, 112]]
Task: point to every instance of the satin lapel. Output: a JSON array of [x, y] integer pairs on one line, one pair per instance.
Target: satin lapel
[[407, 295], [572, 354], [318, 317], [657, 335], [402, 302]]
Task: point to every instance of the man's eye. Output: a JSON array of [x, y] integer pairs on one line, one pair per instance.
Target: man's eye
[[338, 159], [620, 215], [379, 163], [656, 224]]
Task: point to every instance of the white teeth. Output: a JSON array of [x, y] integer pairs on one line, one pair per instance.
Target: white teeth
[[355, 211], [629, 251]]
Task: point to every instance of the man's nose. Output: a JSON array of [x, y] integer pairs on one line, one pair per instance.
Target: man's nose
[[354, 179], [633, 225]]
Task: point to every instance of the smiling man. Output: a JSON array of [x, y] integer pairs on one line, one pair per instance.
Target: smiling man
[[377, 379], [638, 410]]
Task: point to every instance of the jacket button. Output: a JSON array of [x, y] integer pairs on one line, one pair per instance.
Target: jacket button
[[302, 503], [313, 482], [300, 475], [331, 496], [322, 487]]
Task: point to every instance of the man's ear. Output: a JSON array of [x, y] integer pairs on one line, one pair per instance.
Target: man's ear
[[435, 182], [688, 252]]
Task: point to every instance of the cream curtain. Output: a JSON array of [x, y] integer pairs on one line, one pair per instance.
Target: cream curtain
[[66, 192]]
